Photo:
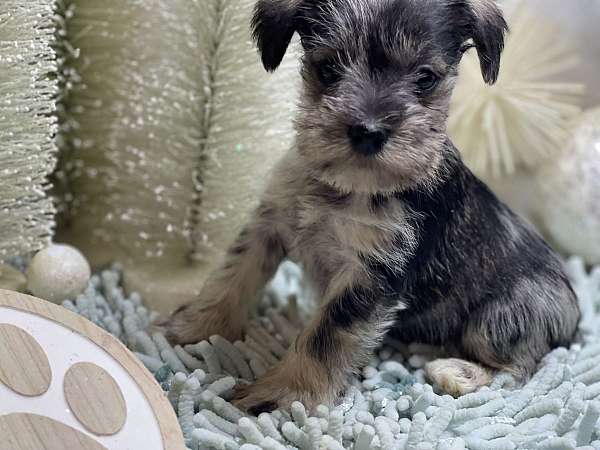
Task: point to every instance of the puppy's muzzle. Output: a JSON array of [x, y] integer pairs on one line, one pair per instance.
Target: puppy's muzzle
[[367, 141]]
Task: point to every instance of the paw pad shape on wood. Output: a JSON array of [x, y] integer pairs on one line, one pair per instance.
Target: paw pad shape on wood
[[70, 386]]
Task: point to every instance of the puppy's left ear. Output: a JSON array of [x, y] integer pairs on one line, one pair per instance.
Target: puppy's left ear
[[487, 29], [273, 27]]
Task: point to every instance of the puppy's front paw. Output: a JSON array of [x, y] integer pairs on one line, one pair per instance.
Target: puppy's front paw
[[195, 322], [263, 396], [280, 387]]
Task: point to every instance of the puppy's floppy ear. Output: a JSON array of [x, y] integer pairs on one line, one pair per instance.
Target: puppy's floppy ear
[[487, 29], [273, 27]]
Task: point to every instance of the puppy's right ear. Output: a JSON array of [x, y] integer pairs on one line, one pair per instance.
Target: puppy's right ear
[[488, 28], [273, 27]]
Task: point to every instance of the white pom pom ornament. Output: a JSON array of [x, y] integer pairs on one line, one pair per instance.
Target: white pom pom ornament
[[57, 273]]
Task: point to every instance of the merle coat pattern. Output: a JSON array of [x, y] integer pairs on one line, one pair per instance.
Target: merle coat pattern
[[394, 231]]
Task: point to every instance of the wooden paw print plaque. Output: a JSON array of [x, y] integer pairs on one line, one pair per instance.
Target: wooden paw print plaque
[[65, 384]]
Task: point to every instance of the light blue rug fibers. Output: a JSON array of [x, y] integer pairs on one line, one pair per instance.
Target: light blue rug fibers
[[389, 407]]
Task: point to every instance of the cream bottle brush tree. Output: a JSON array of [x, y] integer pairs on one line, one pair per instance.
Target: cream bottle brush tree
[[27, 125], [168, 131]]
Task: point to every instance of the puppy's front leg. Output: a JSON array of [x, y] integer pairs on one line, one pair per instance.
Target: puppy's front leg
[[229, 293], [335, 345]]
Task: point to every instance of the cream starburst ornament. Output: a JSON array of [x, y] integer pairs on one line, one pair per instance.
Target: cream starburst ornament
[[524, 118]]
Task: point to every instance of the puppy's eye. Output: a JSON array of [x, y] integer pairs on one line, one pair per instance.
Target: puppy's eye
[[329, 72], [426, 80]]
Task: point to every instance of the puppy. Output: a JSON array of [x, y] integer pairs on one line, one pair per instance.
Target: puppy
[[393, 230]]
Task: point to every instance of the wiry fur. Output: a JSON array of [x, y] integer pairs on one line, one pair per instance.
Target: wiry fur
[[404, 239]]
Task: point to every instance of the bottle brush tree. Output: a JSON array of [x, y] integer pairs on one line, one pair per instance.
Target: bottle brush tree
[[169, 125], [27, 125]]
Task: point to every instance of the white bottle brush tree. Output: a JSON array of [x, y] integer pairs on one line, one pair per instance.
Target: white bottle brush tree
[[167, 132], [27, 125]]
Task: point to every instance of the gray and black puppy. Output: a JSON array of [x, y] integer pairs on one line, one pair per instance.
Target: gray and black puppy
[[373, 200]]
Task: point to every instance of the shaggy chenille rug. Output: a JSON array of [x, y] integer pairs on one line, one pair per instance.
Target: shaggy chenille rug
[[389, 407]]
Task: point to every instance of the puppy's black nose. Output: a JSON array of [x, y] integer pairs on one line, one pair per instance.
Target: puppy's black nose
[[368, 141]]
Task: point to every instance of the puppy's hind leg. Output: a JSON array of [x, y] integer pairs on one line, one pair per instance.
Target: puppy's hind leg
[[499, 339], [457, 376]]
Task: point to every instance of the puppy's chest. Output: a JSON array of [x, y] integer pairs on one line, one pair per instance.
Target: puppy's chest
[[340, 236]]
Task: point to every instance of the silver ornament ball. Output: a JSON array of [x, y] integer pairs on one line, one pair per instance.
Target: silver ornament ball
[[569, 188]]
